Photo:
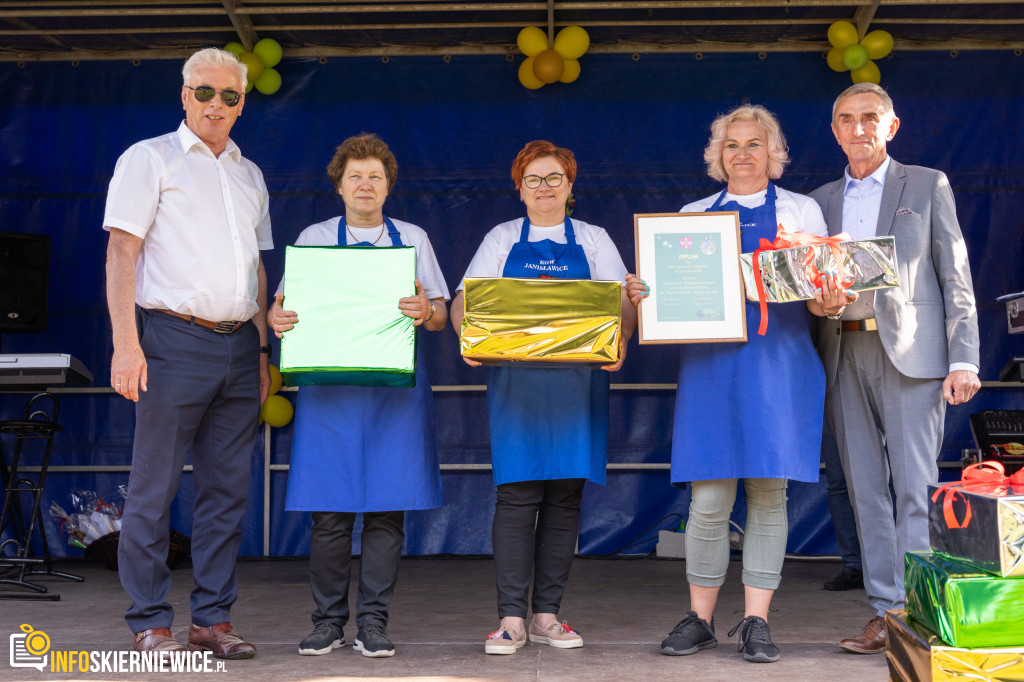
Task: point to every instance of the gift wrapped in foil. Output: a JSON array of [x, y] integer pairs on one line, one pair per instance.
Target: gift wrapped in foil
[[965, 606], [916, 655], [790, 274], [350, 329], [982, 527], [541, 320]]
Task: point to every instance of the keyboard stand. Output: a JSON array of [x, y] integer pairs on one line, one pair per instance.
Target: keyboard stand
[[39, 422]]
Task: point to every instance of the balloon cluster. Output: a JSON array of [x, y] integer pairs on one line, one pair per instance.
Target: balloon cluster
[[847, 54], [277, 410], [544, 65], [261, 62]]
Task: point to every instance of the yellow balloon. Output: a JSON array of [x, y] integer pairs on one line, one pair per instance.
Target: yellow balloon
[[526, 77], [269, 81], [548, 66], [842, 34], [532, 41], [255, 65], [269, 51], [275, 379], [868, 73], [835, 60], [572, 42], [277, 411], [236, 49], [571, 72], [877, 43]]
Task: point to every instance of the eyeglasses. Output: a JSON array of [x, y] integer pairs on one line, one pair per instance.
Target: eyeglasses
[[204, 93], [553, 180]]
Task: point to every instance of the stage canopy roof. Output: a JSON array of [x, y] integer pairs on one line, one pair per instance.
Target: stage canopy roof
[[68, 30]]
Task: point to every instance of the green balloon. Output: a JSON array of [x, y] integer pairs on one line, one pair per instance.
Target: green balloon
[[268, 50], [236, 49], [854, 57], [269, 82]]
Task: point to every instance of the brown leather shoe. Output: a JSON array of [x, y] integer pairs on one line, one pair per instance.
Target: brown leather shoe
[[221, 640], [157, 639], [871, 640]]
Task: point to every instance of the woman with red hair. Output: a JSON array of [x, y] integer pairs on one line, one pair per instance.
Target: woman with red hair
[[549, 427]]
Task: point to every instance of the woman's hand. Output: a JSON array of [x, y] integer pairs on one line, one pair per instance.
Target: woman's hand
[[831, 299], [417, 307], [279, 319], [636, 289]]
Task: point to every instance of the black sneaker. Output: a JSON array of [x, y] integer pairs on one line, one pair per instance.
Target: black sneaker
[[849, 579], [755, 640], [325, 638], [690, 636], [373, 641]]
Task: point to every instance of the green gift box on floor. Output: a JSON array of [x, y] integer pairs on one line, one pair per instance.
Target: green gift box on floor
[[350, 330], [964, 605]]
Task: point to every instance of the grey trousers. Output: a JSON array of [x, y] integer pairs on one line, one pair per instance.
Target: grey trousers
[[204, 396], [889, 428], [330, 561]]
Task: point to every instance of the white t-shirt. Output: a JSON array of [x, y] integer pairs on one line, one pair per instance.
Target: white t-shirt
[[427, 269], [796, 212], [203, 219], [602, 256]]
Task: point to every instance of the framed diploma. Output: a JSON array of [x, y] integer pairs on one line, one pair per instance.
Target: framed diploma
[[691, 262]]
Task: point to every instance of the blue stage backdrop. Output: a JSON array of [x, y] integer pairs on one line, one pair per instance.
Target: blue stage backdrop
[[637, 126]]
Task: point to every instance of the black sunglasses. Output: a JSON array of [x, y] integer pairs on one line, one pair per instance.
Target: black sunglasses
[[204, 93]]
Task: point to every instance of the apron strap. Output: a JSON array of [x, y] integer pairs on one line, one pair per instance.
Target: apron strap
[[396, 238], [570, 235]]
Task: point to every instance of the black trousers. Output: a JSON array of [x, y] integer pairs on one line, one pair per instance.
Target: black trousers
[[534, 536], [330, 561]]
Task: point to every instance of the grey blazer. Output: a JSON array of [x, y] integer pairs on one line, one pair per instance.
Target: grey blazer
[[930, 320]]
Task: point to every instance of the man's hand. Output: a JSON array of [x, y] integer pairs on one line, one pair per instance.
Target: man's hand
[[279, 319], [960, 386], [264, 378], [128, 373]]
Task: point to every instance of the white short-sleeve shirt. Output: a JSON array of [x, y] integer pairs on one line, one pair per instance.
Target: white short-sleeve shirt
[[796, 212], [203, 221], [427, 269], [602, 256]]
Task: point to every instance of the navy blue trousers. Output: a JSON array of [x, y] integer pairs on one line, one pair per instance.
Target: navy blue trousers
[[203, 397], [839, 505]]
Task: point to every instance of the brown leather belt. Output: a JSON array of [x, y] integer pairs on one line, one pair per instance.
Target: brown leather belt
[[226, 327], [867, 325]]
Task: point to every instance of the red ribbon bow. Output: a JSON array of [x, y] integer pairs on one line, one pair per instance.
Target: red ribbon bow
[[987, 478], [787, 240]]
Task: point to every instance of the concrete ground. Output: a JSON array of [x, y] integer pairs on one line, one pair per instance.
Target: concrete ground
[[443, 609]]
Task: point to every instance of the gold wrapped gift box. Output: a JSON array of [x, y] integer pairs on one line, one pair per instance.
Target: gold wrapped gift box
[[916, 655], [541, 320]]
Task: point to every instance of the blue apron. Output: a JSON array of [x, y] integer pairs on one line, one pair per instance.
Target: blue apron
[[547, 423], [751, 410], [365, 448]]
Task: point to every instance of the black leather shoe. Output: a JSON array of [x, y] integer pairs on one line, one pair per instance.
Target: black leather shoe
[[849, 579]]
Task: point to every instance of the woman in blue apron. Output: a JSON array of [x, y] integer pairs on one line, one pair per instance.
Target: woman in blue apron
[[358, 448], [549, 427], [750, 411]]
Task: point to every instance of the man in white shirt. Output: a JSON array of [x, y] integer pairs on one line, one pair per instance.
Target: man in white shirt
[[896, 354], [186, 289]]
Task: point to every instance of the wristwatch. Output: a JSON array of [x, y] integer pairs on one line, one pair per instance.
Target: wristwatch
[[268, 349]]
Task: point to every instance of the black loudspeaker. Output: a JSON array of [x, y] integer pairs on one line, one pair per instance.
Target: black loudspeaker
[[24, 280]]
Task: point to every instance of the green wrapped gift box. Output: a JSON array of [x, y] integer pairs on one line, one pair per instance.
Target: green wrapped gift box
[[964, 605], [350, 330]]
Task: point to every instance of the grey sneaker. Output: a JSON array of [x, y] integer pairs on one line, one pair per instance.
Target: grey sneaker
[[755, 640], [325, 638], [690, 636], [372, 640]]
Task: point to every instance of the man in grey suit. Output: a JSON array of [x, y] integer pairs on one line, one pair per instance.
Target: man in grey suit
[[893, 355]]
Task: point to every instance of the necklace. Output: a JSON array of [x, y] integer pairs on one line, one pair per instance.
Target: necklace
[[356, 241]]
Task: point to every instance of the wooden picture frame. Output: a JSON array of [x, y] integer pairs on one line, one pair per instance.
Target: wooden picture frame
[[691, 262]]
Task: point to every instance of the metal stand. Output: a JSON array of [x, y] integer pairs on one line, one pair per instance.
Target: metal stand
[[37, 423]]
